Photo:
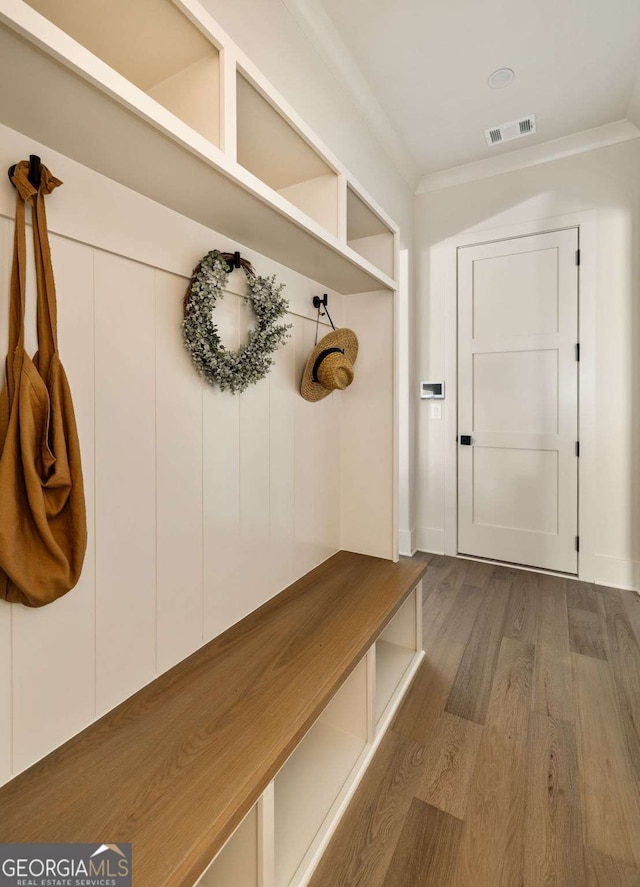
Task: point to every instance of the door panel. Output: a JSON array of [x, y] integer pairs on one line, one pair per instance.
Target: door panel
[[515, 488], [518, 400], [531, 279], [516, 391]]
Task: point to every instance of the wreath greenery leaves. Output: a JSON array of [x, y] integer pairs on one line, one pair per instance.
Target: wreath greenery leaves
[[232, 370]]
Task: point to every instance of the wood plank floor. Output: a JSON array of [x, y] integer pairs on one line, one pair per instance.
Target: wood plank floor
[[514, 760]]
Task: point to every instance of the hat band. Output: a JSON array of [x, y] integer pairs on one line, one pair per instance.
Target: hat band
[[321, 357]]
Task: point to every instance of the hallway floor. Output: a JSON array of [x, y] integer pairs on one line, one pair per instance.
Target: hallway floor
[[514, 760]]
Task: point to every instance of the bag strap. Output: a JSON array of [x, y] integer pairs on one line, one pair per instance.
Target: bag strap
[[47, 317], [47, 326], [17, 294]]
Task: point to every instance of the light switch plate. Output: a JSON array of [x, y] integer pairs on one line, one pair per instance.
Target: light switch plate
[[436, 411]]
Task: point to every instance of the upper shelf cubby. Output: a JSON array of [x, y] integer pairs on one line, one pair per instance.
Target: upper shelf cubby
[[155, 47], [271, 149], [369, 235], [154, 95]]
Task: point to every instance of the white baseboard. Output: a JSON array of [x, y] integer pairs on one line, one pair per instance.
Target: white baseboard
[[407, 542], [613, 571], [616, 572], [429, 539]]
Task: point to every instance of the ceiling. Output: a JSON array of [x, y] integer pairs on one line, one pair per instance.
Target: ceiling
[[427, 63]]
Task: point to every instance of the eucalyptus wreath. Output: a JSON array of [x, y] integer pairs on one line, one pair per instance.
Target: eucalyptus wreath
[[232, 370]]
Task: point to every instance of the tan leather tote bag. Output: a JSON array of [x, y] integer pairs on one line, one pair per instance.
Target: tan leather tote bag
[[43, 529]]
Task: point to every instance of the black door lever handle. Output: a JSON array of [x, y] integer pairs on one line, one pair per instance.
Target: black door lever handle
[[465, 440]]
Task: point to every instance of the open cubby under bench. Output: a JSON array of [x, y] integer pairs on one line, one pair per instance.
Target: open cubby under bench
[[247, 752]]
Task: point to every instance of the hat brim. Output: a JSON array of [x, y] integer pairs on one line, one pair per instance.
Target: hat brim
[[340, 338]]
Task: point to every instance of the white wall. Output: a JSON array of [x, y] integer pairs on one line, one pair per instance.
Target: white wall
[[201, 505], [607, 181]]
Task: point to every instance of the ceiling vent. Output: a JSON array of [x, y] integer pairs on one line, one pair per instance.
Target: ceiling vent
[[506, 132]]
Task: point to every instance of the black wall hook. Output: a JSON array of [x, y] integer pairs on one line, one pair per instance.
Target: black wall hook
[[323, 303], [234, 263], [235, 260], [35, 171]]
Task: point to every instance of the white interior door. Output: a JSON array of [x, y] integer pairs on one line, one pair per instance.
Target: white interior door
[[518, 400]]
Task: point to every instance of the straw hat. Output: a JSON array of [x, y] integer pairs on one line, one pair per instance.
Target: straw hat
[[330, 365]]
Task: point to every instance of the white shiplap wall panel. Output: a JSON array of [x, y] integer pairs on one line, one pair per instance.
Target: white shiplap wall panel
[[221, 492], [255, 496], [54, 673], [367, 435], [311, 469], [328, 481], [178, 481], [6, 659], [6, 694], [54, 646], [255, 492], [282, 395], [125, 478]]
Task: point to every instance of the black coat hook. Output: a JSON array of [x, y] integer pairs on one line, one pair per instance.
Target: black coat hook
[[35, 171], [235, 262], [323, 303]]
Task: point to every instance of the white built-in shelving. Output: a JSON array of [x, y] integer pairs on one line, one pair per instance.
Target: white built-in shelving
[[240, 860], [156, 96], [395, 652], [270, 148], [310, 783], [392, 661], [369, 235], [281, 840], [179, 67]]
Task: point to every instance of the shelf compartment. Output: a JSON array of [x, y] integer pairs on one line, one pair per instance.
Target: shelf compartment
[[369, 235], [239, 862], [310, 785], [395, 652], [392, 663], [155, 47], [272, 150]]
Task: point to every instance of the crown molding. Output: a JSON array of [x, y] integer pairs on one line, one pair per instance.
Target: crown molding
[[577, 143], [321, 32]]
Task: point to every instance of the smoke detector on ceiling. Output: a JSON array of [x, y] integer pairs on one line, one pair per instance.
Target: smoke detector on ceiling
[[506, 132]]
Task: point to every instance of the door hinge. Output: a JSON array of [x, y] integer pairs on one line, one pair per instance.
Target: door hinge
[[578, 449], [578, 351], [577, 257], [577, 543]]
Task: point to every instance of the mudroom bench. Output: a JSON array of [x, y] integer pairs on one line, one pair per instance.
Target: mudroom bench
[[233, 768]]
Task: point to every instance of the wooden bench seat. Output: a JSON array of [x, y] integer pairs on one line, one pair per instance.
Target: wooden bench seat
[[176, 767]]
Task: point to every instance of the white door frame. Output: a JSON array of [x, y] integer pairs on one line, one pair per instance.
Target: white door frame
[[586, 222]]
